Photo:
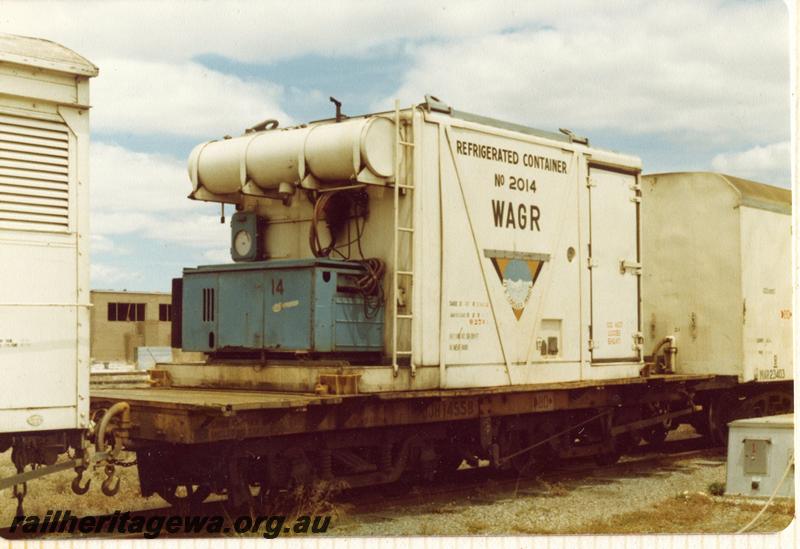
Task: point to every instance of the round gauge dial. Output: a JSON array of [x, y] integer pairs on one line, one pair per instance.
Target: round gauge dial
[[243, 243]]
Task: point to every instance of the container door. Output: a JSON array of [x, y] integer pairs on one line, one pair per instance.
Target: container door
[[615, 266]]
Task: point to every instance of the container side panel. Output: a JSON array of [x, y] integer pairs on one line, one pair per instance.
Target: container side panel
[[241, 320], [39, 340], [288, 299], [36, 84], [691, 286], [352, 329], [16, 420], [428, 246], [511, 285], [44, 341], [37, 354], [767, 286]]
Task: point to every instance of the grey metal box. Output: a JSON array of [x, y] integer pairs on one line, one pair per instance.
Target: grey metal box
[[759, 452]]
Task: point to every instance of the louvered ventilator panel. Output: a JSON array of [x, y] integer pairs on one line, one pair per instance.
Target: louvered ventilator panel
[[34, 174]]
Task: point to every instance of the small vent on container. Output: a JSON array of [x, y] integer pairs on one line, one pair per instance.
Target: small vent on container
[[34, 174], [208, 304]]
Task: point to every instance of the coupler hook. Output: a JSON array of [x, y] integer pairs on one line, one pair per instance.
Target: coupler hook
[[76, 482], [20, 490], [109, 487]]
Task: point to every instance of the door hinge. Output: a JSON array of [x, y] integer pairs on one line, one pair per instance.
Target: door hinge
[[590, 182], [592, 345], [591, 263]]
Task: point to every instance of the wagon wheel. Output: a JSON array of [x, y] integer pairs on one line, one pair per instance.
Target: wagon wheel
[[657, 434], [530, 463], [725, 409], [179, 495], [607, 458], [448, 463], [627, 442], [717, 418], [767, 404]]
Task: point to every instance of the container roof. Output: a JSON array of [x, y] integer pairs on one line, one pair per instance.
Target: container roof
[[760, 194], [782, 420], [129, 292], [37, 52], [752, 193]]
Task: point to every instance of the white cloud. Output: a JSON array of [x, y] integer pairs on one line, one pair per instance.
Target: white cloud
[[110, 276], [260, 32], [192, 229], [768, 164], [703, 70], [134, 181], [101, 244], [218, 255], [700, 70], [145, 194], [181, 98]]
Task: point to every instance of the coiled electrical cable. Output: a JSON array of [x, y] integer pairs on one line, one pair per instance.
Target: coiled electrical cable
[[341, 209]]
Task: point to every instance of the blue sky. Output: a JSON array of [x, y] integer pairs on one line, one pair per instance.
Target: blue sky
[[683, 85]]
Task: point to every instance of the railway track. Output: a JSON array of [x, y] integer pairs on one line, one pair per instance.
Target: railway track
[[477, 485], [466, 482]]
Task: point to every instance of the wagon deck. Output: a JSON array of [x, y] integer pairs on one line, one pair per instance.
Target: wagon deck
[[192, 415]]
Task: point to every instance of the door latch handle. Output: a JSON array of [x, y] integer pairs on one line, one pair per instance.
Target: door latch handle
[[633, 266]]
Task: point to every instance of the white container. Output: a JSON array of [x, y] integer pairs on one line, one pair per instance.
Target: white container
[[760, 451], [44, 240], [717, 273], [504, 291]]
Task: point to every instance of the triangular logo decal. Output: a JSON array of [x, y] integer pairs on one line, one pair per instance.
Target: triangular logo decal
[[518, 277]]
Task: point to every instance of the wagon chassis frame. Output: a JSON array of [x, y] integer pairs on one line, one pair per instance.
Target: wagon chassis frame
[[215, 437]]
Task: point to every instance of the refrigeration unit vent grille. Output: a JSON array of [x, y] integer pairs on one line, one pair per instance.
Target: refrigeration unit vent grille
[[34, 174]]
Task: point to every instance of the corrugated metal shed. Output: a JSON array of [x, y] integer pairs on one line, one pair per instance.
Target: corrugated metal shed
[[36, 52], [751, 193]]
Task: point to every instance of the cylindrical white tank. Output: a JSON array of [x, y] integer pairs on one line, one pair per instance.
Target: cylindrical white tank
[[331, 152], [339, 151], [276, 157], [266, 158]]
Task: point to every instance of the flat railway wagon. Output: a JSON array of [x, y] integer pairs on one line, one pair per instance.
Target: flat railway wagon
[[409, 290], [416, 288]]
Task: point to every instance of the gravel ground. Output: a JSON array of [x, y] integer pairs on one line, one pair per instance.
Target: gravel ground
[[665, 495]]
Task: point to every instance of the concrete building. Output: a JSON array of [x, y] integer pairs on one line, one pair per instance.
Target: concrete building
[[123, 321]]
